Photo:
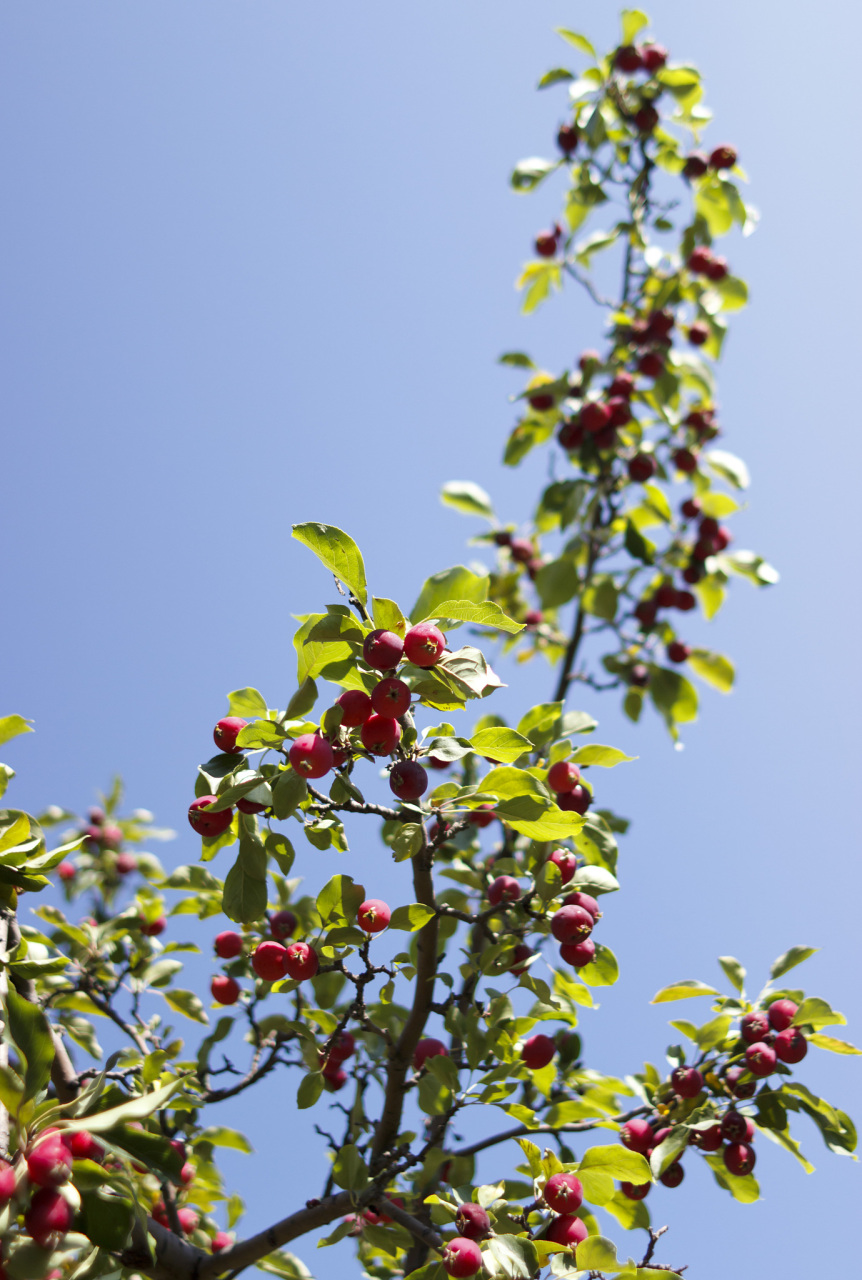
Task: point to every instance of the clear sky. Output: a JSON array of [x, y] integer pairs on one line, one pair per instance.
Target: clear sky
[[258, 265]]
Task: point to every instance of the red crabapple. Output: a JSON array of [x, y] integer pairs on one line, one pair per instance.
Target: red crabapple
[[567, 138], [645, 611], [226, 733], [221, 1240], [622, 385], [570, 435], [342, 1049], [595, 416], [641, 467], [637, 1135], [687, 1082], [696, 165], [566, 861], [654, 57], [228, 944], [541, 402], [250, 806], [707, 1139], [699, 260], [717, 269], [269, 961], [754, 1026], [311, 755], [635, 1190], [391, 697], [722, 158], [522, 550], [578, 954], [651, 364], [781, 1014], [760, 1059], [127, 862], [483, 816], [572, 924], [739, 1088], [355, 708], [282, 925], [673, 1175], [154, 928], [734, 1127], [408, 780], [739, 1159], [791, 1045], [563, 776], [428, 1048], [373, 916], [567, 1230], [690, 508], [588, 360], [665, 597], [301, 961], [67, 871], [628, 58], [698, 334], [578, 800], [424, 645], [382, 650], [537, 1052], [545, 244], [563, 1193], [462, 1257], [685, 461], [380, 735], [534, 618], [205, 823], [585, 900], [7, 1183], [188, 1220], [48, 1217], [49, 1162], [505, 889], [84, 1146], [620, 411], [472, 1221], [678, 652], [224, 990]]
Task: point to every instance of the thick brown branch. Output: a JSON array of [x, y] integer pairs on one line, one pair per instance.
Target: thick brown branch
[[416, 1228]]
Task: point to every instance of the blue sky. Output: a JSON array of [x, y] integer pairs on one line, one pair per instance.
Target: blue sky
[[258, 268]]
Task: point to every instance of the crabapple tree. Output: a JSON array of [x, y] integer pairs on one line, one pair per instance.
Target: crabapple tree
[[394, 1017]]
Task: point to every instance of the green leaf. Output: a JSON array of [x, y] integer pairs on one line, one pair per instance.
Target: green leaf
[[600, 599], [683, 991], [734, 971], [468, 498], [388, 616], [673, 695], [289, 790], [500, 743], [410, 918], [527, 174], [633, 20], [135, 1109], [538, 278], [576, 39], [302, 701], [12, 726], [6, 776], [833, 1045], [107, 1220], [627, 1166], [340, 899], [712, 1033], [749, 565], [220, 1136], [349, 1169], [597, 1253], [713, 668], [554, 76], [516, 1256], [30, 1033], [310, 1089], [187, 1003], [408, 842], [790, 959], [595, 880], [557, 582], [247, 703], [816, 1013], [729, 467], [457, 583], [606, 757], [517, 359], [484, 614], [338, 552], [244, 898], [603, 970], [639, 547]]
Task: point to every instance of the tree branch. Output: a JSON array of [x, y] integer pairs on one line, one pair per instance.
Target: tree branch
[[526, 1131]]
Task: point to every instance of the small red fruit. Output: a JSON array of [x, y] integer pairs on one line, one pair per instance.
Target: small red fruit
[[545, 244], [380, 735], [635, 1190], [566, 861], [537, 1052], [588, 360], [187, 1174], [571, 435], [156, 927], [578, 800], [707, 1139], [335, 1078], [753, 1027], [282, 925], [645, 611], [578, 954], [127, 862], [744, 1089], [226, 733], [646, 118], [84, 1146], [641, 467], [678, 652], [504, 889], [522, 550], [221, 1240], [696, 165], [572, 924], [651, 364], [760, 1059], [472, 1221], [567, 138], [204, 823], [391, 697], [521, 953], [462, 1257], [49, 1162], [224, 990], [373, 916], [382, 650], [563, 776], [188, 1220], [673, 1175], [585, 900], [637, 1135], [66, 871], [781, 1014], [692, 573], [698, 334], [250, 806], [685, 460], [269, 961], [739, 1159], [567, 1230], [620, 411], [428, 1048], [424, 645], [48, 1218], [654, 57], [228, 944], [734, 1127], [355, 708], [541, 402], [639, 676], [534, 617], [301, 961], [595, 415], [687, 1082], [717, 269], [665, 597], [342, 1049], [628, 58], [722, 158], [311, 755], [791, 1045], [699, 260], [622, 385], [483, 816], [563, 1193], [408, 780], [7, 1183]]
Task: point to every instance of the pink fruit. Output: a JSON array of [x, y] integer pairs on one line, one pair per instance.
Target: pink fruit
[[722, 158], [585, 900], [391, 697], [66, 871], [578, 954], [84, 1146], [563, 776], [707, 1139], [187, 1174], [635, 1190], [687, 1082], [7, 1183], [781, 1013], [424, 645], [373, 916], [791, 1045], [572, 924], [228, 944], [537, 1052], [302, 961], [226, 733], [155, 927], [739, 1088], [734, 1127], [127, 862], [628, 58], [188, 1220], [311, 755], [578, 800], [739, 1159], [534, 617], [48, 1218], [462, 1257], [250, 806], [428, 1048], [282, 925], [49, 1161], [521, 549], [221, 1240], [673, 1175], [343, 1048], [483, 816], [637, 1135], [503, 889], [269, 961], [566, 861], [408, 780], [208, 824], [224, 990], [563, 1193], [472, 1221], [760, 1059], [521, 953], [595, 416], [641, 467], [567, 1230], [754, 1027], [382, 650], [622, 385], [335, 1077], [380, 735], [355, 708]]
